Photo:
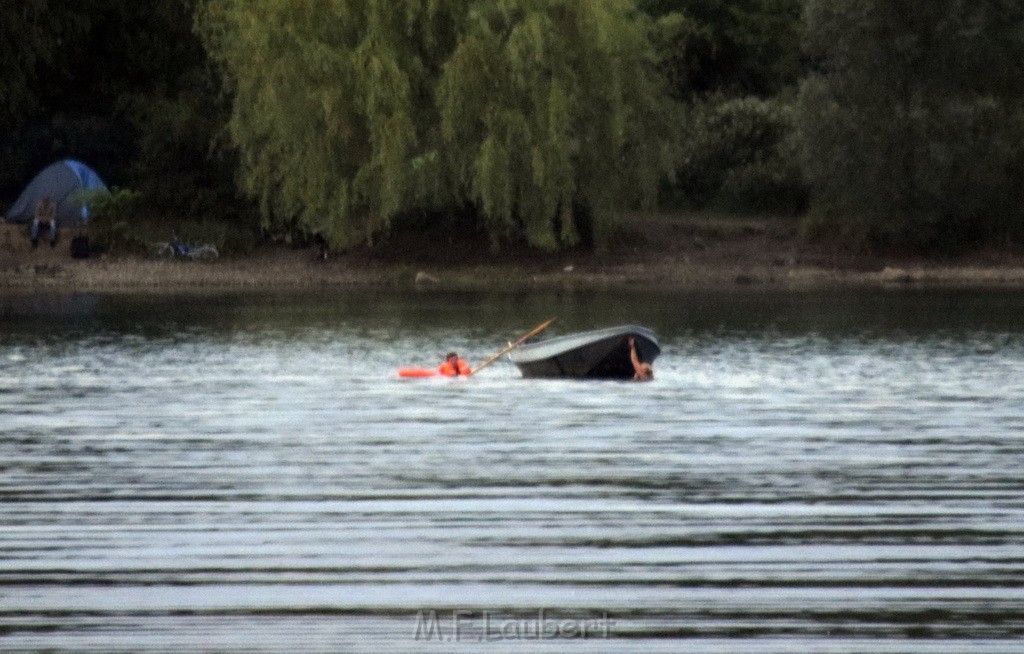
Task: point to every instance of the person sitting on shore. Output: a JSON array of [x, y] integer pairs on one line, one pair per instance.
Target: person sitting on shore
[[641, 371], [45, 212], [320, 241], [453, 366]]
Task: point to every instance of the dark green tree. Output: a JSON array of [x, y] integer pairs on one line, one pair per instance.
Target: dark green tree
[[543, 116], [730, 47], [172, 98], [739, 155], [33, 48], [31, 37], [125, 86], [732, 65], [912, 128]]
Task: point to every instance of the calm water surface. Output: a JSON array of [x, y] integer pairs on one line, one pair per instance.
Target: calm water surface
[[808, 473]]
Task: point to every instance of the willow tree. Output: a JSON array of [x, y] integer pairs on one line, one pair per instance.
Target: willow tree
[[541, 115]]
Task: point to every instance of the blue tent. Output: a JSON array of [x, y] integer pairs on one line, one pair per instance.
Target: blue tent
[[65, 182]]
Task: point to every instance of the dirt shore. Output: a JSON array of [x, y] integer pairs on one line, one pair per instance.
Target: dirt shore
[[673, 252]]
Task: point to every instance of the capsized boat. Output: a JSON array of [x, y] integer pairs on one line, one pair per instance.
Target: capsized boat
[[598, 354]]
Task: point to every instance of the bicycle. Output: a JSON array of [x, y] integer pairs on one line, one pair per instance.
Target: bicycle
[[177, 249]]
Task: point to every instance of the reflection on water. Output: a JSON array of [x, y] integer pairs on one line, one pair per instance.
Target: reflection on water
[[808, 472]]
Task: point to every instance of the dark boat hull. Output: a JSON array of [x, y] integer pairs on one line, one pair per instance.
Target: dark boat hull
[[598, 354]]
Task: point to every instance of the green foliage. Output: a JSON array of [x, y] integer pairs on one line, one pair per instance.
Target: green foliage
[[543, 115], [731, 63], [912, 130], [172, 101], [120, 221], [123, 86], [739, 154], [113, 217], [32, 34], [70, 61], [177, 168], [736, 47], [559, 119]]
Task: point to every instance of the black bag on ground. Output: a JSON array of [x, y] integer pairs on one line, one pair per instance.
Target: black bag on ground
[[80, 247]]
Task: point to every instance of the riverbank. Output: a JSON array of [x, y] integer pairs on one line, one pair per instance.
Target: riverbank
[[671, 252]]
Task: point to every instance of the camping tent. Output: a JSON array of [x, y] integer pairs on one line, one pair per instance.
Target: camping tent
[[65, 182]]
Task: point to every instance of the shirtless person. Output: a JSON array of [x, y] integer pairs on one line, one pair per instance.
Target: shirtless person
[[641, 371]]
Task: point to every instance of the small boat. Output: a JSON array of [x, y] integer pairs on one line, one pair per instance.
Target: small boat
[[598, 354]]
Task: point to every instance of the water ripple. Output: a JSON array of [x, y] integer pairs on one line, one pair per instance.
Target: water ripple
[[266, 483]]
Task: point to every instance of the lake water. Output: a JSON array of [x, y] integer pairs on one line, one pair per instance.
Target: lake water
[[809, 472]]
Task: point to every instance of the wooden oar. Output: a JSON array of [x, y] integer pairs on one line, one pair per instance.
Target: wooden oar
[[522, 339]]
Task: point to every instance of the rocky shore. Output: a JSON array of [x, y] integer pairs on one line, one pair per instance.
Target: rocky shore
[[673, 253]]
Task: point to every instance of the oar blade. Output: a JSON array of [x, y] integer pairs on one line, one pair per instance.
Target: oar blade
[[522, 339]]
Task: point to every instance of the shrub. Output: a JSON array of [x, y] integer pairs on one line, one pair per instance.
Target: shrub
[[738, 154], [111, 216], [911, 128]]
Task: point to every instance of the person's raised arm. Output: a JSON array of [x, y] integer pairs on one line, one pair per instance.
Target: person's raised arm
[[633, 356]]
